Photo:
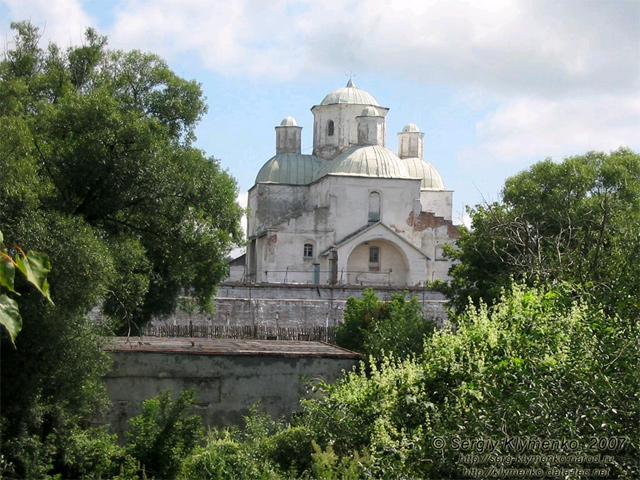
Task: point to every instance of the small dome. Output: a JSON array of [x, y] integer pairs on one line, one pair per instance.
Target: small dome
[[350, 94], [418, 168], [288, 122], [290, 169], [369, 161], [370, 112], [410, 127]]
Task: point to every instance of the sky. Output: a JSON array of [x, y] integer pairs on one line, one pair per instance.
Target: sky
[[496, 86]]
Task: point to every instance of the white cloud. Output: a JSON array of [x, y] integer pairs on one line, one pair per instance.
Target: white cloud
[[61, 21], [563, 74], [500, 46], [526, 128]]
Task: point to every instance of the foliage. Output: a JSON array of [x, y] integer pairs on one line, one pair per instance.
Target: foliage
[[163, 434], [577, 221], [35, 267], [329, 466], [105, 137], [373, 327], [263, 449], [95, 454], [98, 170], [497, 377]]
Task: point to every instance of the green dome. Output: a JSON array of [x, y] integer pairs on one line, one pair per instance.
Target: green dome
[[290, 169], [418, 168], [366, 161]]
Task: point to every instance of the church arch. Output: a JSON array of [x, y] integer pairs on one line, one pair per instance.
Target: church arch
[[389, 265], [330, 128]]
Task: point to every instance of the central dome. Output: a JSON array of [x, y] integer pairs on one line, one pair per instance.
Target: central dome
[[350, 94], [369, 161]]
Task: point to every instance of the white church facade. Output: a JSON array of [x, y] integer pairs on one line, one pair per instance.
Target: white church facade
[[352, 212]]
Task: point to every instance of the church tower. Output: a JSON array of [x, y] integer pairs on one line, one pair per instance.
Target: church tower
[[335, 126]]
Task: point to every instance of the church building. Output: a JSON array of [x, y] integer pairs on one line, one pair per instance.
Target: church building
[[352, 212]]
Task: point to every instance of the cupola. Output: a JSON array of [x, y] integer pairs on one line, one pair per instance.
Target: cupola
[[410, 142], [371, 127], [288, 136]]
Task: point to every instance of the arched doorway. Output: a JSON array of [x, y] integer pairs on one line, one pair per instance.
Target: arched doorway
[[377, 262]]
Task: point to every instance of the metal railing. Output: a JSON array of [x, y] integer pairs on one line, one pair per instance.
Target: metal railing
[[257, 332]]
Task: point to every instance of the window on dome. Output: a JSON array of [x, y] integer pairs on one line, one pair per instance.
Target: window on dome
[[330, 128], [374, 207], [308, 250]]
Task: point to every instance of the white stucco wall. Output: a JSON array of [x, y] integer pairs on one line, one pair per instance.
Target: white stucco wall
[[438, 202], [345, 128]]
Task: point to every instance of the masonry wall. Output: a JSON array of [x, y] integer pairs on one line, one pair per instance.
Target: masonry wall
[[296, 305], [226, 385]]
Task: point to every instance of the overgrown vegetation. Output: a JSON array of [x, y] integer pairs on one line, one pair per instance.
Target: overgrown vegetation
[[537, 365], [98, 170], [373, 327]]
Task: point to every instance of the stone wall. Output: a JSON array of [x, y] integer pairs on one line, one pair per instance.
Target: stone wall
[[282, 305], [228, 376]]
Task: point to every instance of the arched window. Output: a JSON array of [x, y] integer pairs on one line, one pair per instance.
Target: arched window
[[374, 207], [330, 128], [308, 250]]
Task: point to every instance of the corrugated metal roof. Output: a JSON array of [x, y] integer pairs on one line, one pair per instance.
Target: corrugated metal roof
[[431, 179], [290, 169], [366, 161], [221, 346]]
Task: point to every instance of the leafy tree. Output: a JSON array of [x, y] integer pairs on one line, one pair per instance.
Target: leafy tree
[[99, 171], [163, 434], [106, 137], [374, 327], [536, 365], [577, 221]]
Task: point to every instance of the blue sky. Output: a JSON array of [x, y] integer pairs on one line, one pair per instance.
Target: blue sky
[[495, 85]]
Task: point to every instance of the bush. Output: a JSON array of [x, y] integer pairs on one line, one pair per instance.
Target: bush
[[163, 435], [373, 327], [536, 365]]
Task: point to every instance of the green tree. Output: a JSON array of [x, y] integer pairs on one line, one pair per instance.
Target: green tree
[[373, 327], [99, 171], [164, 434], [536, 365], [576, 221], [106, 137]]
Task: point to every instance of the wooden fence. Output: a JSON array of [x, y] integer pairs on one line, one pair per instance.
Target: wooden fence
[[258, 332]]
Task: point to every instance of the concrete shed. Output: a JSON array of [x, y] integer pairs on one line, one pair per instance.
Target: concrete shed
[[228, 375]]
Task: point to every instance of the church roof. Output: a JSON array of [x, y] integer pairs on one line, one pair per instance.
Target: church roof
[[411, 127], [370, 112], [366, 161], [288, 122], [431, 179], [350, 94], [290, 169]]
